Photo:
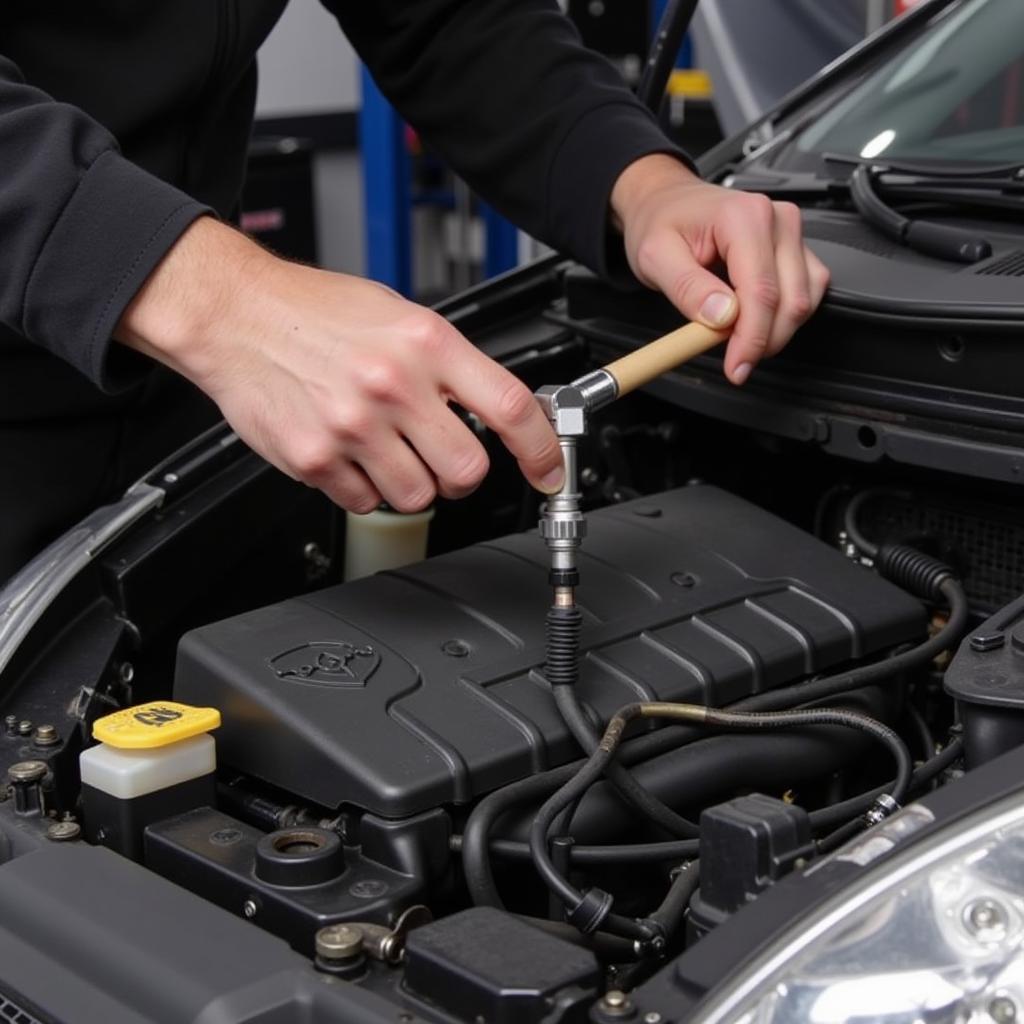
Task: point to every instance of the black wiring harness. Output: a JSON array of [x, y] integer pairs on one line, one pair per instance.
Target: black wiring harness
[[590, 911]]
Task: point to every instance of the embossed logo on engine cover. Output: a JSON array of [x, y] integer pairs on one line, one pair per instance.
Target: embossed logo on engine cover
[[327, 662]]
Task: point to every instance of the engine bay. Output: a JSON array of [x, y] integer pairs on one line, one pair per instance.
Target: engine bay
[[767, 630]]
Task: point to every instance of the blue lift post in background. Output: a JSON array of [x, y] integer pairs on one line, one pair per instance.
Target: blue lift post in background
[[388, 199]]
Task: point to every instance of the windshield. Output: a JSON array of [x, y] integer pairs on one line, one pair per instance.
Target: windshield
[[955, 95]]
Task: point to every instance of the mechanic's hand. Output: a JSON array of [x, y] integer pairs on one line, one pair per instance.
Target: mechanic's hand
[[336, 380], [676, 226]]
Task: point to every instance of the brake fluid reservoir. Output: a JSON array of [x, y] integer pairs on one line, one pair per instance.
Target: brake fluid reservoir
[[153, 761]]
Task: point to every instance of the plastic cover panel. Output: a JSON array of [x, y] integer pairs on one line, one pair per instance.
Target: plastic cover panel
[[423, 686]]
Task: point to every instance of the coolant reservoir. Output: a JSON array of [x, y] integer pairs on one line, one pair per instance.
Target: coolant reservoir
[[384, 539], [153, 761]]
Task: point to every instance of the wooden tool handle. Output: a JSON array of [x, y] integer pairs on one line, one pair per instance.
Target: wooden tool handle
[[658, 357]]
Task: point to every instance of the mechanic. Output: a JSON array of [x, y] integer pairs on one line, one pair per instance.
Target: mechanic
[[127, 302]]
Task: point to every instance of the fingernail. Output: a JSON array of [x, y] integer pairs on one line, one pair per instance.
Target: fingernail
[[551, 483], [717, 309], [741, 373]]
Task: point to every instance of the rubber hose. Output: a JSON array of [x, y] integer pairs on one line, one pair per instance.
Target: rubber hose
[[475, 840], [913, 570], [608, 947], [822, 819], [674, 758], [711, 768], [562, 632], [563, 626], [589, 909], [670, 914]]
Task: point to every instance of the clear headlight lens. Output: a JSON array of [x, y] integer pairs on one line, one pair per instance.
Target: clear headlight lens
[[934, 935]]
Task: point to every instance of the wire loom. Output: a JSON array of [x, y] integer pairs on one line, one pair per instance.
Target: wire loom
[[592, 909]]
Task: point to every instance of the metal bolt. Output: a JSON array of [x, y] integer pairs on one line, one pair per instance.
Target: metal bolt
[[986, 919], [249, 909], [339, 942], [318, 560], [1002, 1010], [170, 478], [45, 736], [589, 476], [25, 728], [982, 642], [26, 771], [617, 1004], [686, 580], [11, 725], [126, 673], [64, 831], [455, 648], [652, 1018]]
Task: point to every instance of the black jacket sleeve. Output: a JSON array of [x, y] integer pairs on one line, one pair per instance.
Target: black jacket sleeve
[[81, 229], [507, 94]]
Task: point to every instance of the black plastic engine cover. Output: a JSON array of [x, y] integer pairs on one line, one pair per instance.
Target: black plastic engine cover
[[422, 686]]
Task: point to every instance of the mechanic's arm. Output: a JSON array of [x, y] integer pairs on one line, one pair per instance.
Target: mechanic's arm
[[548, 133], [81, 227], [335, 380]]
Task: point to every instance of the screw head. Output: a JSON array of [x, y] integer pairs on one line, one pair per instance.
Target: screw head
[[45, 736], [64, 831], [652, 1018], [455, 648], [26, 771], [339, 942], [11, 724], [25, 728], [686, 580], [986, 919], [249, 909], [617, 1004]]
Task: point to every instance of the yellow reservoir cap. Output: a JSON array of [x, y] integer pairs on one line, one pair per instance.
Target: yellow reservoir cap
[[156, 724]]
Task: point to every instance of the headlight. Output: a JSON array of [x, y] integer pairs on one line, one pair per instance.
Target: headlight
[[936, 934]]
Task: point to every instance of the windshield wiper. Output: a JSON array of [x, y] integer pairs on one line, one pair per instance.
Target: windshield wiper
[[990, 187], [928, 237]]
